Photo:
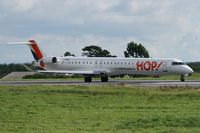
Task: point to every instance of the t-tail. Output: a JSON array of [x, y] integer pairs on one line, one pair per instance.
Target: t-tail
[[36, 52]]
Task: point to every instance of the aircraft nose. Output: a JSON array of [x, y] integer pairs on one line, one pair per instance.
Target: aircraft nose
[[189, 70]]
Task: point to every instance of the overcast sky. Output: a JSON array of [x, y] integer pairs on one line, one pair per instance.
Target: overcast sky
[[167, 28]]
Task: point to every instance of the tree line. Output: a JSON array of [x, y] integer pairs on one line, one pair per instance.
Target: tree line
[[133, 50], [8, 68]]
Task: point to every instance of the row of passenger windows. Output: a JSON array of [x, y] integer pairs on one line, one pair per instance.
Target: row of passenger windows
[[113, 63], [100, 63]]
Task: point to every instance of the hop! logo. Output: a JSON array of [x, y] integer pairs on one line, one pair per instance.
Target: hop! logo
[[148, 65]]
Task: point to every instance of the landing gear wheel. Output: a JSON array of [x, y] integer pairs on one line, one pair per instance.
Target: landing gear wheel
[[88, 79], [104, 79], [182, 78]]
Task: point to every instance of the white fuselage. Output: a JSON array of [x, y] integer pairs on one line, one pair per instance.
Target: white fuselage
[[106, 66], [118, 66]]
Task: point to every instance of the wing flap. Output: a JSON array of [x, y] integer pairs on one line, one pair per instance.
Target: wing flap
[[68, 72], [74, 72]]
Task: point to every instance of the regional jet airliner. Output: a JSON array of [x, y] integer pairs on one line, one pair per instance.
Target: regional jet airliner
[[106, 66]]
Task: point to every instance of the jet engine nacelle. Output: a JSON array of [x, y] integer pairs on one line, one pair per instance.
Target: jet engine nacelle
[[51, 60], [54, 60]]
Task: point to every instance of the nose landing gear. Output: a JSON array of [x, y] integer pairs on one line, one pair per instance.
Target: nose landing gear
[[182, 78]]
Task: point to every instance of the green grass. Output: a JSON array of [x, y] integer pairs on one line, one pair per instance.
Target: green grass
[[99, 109]]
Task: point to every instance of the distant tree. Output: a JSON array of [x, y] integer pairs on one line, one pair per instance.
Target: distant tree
[[96, 51], [195, 66], [126, 54], [68, 54], [136, 50]]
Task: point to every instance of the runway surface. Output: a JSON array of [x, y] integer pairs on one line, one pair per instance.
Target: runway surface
[[145, 83]]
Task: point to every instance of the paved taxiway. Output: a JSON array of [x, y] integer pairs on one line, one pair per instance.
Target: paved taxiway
[[146, 83]]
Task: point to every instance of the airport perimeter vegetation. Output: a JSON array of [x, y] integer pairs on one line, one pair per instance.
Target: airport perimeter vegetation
[[100, 109]]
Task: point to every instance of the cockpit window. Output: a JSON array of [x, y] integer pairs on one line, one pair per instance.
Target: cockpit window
[[178, 63]]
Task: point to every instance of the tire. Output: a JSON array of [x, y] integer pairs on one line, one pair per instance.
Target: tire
[[104, 79], [182, 78], [88, 79]]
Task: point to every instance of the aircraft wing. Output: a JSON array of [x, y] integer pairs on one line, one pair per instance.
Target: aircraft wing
[[74, 72]]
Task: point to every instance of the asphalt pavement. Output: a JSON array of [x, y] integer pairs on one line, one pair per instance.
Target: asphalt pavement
[[145, 83]]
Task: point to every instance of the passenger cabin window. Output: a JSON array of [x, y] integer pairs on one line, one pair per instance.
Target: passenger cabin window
[[178, 63]]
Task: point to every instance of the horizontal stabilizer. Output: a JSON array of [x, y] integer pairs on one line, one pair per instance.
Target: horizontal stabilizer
[[19, 43], [35, 50]]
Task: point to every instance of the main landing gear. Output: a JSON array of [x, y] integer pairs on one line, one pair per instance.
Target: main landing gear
[[104, 79], [88, 79]]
